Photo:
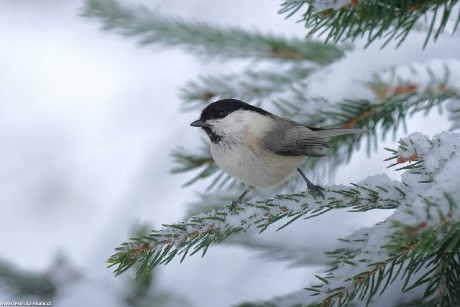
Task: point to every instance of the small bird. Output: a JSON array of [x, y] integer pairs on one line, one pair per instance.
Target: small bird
[[260, 148]]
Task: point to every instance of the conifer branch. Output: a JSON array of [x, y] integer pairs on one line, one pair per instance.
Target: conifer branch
[[21, 283], [44, 285], [253, 86], [421, 258], [419, 243], [373, 19], [202, 39], [197, 233]]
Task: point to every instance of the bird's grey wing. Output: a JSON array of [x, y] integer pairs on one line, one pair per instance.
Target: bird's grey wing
[[296, 140], [330, 132]]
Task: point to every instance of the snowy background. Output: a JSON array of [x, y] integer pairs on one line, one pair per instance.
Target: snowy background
[[88, 120]]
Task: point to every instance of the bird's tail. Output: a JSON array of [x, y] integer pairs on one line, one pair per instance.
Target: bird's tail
[[326, 133]]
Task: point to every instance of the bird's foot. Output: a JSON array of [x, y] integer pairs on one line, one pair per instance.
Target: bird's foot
[[317, 189], [234, 205]]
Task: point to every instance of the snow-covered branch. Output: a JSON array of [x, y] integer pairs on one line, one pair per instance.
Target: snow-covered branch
[[197, 233], [419, 243]]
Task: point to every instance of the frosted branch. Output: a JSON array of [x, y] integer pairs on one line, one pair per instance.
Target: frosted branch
[[197, 233], [425, 225], [435, 78]]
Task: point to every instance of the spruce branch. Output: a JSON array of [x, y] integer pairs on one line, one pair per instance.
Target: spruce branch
[[418, 245], [197, 233], [368, 274], [20, 283], [422, 257], [424, 85], [374, 19], [143, 292], [435, 78], [251, 85], [202, 39]]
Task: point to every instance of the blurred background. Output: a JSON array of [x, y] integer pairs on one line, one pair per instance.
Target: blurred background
[[88, 121]]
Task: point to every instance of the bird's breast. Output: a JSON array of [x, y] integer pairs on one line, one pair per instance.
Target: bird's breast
[[255, 167]]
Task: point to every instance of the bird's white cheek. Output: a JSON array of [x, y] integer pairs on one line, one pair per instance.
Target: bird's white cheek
[[235, 126]]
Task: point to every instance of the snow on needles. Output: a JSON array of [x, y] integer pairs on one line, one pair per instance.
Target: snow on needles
[[435, 76], [319, 6], [434, 180], [431, 194], [201, 230]]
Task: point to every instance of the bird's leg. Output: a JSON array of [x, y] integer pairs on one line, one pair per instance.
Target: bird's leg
[[240, 199], [312, 187]]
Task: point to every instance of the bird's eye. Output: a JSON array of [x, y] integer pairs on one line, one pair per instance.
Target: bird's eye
[[221, 114]]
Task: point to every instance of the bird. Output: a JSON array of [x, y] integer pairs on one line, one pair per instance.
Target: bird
[[260, 148]]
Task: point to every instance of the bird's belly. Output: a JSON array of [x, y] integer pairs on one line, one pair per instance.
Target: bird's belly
[[257, 170]]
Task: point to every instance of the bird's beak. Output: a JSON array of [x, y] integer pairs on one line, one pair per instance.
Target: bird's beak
[[198, 123]]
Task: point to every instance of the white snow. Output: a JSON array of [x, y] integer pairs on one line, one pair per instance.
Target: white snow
[[322, 5], [425, 204]]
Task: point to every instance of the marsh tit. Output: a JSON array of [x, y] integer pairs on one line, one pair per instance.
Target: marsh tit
[[260, 148]]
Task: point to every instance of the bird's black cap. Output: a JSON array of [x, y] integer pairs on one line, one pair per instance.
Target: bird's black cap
[[224, 107]]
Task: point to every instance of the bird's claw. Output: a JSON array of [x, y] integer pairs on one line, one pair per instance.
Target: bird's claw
[[234, 205], [317, 189]]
